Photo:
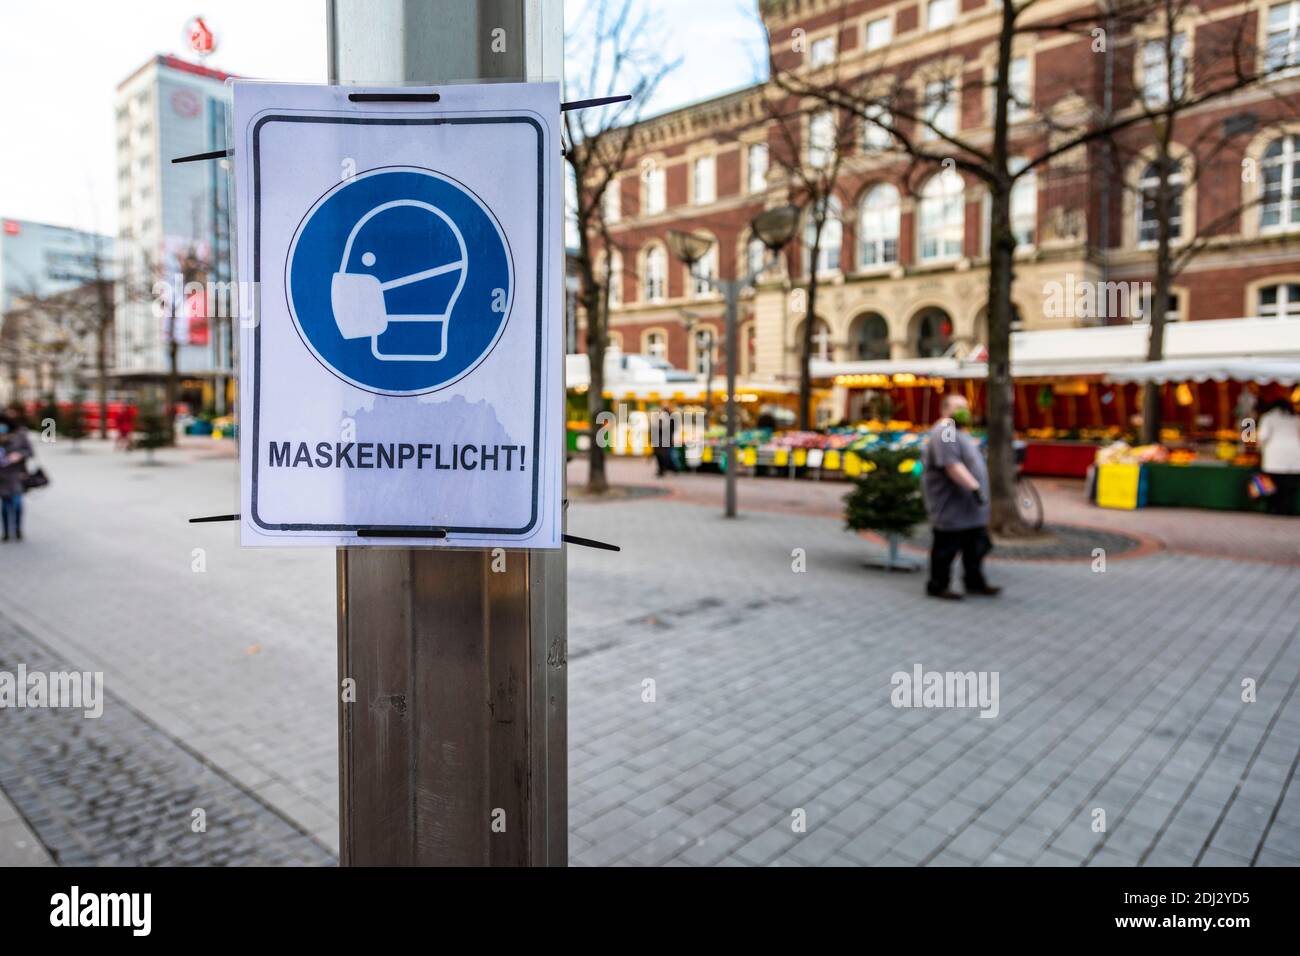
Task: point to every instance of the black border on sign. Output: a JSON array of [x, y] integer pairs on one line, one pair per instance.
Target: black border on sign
[[257, 329]]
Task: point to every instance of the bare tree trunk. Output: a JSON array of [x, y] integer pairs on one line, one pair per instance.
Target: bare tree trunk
[[1004, 517], [597, 337], [809, 323], [1151, 391]]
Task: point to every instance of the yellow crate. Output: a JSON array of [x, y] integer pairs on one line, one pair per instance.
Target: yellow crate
[[832, 461], [782, 457]]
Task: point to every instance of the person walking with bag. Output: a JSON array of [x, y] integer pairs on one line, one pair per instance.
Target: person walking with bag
[[1279, 447], [15, 450]]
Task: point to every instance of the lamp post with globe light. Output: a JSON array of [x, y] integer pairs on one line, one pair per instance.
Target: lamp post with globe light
[[774, 228]]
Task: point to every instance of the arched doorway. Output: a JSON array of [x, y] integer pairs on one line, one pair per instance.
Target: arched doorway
[[869, 337], [931, 332]]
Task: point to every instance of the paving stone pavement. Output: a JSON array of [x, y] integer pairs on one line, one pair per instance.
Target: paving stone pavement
[[1119, 691], [115, 790]]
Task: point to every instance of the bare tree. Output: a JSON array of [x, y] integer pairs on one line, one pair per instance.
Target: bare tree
[[810, 150], [1066, 121], [616, 49]]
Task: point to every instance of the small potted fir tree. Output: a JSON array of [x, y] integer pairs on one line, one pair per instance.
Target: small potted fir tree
[[886, 498]]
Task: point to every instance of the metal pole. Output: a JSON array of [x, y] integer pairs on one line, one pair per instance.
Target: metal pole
[[731, 291], [454, 750]]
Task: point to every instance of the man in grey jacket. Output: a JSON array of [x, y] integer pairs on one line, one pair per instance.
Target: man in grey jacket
[[15, 449], [955, 482]]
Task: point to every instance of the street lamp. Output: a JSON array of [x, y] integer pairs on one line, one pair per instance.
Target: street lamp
[[774, 228]]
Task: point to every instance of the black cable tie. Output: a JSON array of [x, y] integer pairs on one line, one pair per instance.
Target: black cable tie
[[589, 543], [598, 101], [215, 154], [394, 97], [214, 518]]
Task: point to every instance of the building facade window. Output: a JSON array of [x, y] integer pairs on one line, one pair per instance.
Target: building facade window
[[878, 222], [940, 13], [1280, 205], [876, 124], [1024, 204], [654, 190], [942, 217], [756, 168], [821, 139], [656, 345], [615, 279], [704, 358], [1018, 86], [1148, 224], [1280, 301], [878, 33], [613, 201], [822, 51], [755, 256], [655, 281], [940, 109], [704, 270], [1173, 308], [1157, 80], [832, 237], [1282, 46], [704, 180]]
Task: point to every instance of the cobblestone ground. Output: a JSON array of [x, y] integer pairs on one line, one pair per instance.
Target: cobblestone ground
[[1120, 691], [116, 790]]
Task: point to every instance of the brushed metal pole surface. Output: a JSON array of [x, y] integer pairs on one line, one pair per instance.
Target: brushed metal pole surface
[[455, 749]]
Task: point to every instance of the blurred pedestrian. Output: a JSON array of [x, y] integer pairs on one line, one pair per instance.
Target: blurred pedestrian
[[664, 436], [1279, 450], [15, 450], [125, 428], [955, 482]]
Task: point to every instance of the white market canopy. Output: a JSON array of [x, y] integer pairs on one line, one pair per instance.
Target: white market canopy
[[1260, 371], [1270, 345]]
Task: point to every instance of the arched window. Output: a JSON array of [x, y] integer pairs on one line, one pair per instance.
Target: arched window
[[943, 217], [1148, 224], [704, 358], [755, 255], [615, 278], [703, 270], [655, 278], [870, 337], [832, 237], [1280, 206], [878, 227], [933, 333]]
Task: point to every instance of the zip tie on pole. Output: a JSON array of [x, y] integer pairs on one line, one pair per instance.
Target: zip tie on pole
[[598, 101], [431, 533], [196, 157]]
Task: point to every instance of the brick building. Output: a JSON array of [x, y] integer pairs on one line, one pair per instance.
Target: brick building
[[904, 267]]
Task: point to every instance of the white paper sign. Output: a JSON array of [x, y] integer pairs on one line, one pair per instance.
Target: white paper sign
[[401, 376]]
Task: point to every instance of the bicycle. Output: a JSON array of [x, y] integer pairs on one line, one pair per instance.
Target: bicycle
[[1029, 503]]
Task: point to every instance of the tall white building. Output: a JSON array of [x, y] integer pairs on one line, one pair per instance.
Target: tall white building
[[170, 213]]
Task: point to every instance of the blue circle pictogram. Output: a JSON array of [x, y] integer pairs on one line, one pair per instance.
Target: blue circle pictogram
[[400, 280]]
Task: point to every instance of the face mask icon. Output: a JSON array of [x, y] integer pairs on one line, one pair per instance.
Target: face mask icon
[[409, 267]]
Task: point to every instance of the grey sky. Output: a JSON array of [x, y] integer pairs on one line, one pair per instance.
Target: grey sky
[[61, 61]]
